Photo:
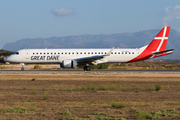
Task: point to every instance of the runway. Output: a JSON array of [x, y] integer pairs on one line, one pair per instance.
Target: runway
[[92, 71]]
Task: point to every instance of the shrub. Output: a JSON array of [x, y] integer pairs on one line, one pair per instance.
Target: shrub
[[91, 87], [38, 67], [100, 66], [33, 79], [113, 87], [81, 88], [104, 87], [29, 100], [118, 105], [158, 86]]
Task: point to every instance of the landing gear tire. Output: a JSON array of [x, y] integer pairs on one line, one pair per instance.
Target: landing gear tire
[[22, 68], [84, 68], [22, 64], [87, 68]]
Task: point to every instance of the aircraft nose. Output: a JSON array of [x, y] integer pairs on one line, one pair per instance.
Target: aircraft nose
[[7, 59]]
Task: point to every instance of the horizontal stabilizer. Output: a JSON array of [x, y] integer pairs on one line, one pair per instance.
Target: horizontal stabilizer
[[165, 51]]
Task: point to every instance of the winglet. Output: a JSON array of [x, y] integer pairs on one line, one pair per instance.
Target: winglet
[[109, 53]]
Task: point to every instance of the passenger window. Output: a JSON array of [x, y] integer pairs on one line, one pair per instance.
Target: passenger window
[[77, 53], [111, 52], [47, 53], [40, 53], [95, 52], [65, 52], [33, 53], [44, 53], [62, 53], [58, 53], [118, 52], [99, 53], [72, 52], [115, 53], [105, 52], [132, 52], [37, 53], [84, 52], [54, 53], [80, 52], [125, 52], [51, 53], [17, 53], [122, 52], [129, 52], [92, 53], [69, 53], [88, 52], [102, 53]]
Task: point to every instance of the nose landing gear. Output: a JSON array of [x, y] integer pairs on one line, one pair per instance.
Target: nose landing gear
[[22, 68]]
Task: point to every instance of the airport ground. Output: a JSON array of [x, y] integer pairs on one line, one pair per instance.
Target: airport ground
[[90, 95]]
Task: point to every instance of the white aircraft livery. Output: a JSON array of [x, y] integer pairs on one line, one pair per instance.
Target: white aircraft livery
[[71, 58]]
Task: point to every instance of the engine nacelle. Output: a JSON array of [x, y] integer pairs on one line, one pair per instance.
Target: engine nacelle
[[69, 64]]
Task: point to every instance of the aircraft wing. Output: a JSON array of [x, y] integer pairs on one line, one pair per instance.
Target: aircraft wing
[[93, 58]]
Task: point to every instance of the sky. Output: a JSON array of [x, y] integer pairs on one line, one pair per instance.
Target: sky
[[21, 19]]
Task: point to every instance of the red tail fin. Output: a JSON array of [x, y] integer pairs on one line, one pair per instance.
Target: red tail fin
[[158, 44], [160, 41]]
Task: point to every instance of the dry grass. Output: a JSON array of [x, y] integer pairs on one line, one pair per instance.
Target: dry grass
[[88, 95]]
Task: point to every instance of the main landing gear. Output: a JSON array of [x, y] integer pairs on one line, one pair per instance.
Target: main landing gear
[[22, 68], [87, 67]]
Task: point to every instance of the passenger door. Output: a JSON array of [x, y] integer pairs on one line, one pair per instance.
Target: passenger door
[[27, 52]]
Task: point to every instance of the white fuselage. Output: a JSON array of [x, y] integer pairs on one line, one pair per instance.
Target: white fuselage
[[58, 55]]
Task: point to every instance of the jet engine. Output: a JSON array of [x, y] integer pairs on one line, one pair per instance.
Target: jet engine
[[69, 64]]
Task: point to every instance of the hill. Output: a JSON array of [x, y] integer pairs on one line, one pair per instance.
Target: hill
[[121, 40]]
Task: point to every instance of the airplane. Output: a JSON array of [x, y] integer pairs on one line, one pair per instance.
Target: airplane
[[71, 58]]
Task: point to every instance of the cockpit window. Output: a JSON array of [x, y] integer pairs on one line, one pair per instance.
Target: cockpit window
[[16, 53]]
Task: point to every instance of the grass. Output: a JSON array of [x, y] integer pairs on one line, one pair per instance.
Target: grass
[[65, 113], [91, 87], [45, 95], [17, 111], [24, 87], [83, 102], [33, 90], [118, 105], [154, 114]]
